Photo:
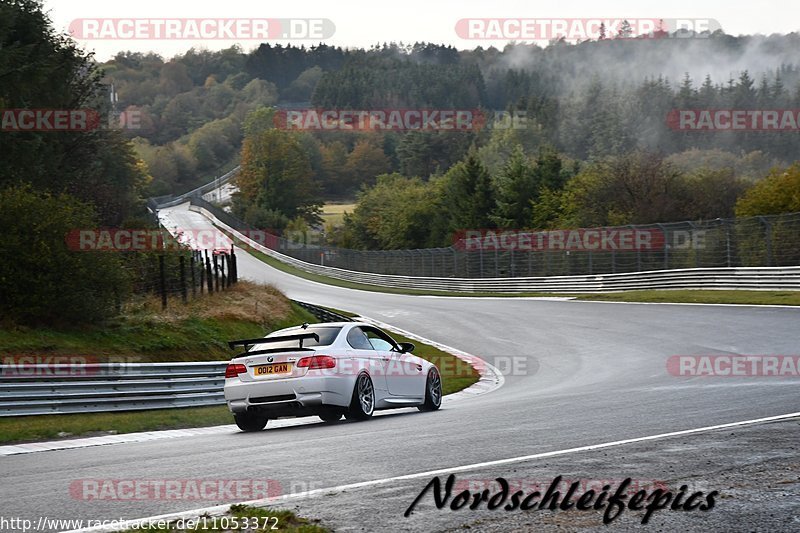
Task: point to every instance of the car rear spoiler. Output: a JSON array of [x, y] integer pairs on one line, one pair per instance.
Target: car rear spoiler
[[280, 338]]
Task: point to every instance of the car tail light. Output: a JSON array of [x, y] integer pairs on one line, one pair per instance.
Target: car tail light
[[233, 370], [317, 361]]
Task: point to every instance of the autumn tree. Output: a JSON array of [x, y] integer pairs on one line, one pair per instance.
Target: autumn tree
[[276, 175]]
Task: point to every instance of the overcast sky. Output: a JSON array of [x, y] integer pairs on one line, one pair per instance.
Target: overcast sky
[[363, 23]]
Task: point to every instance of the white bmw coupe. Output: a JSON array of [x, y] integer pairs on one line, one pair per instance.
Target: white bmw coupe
[[329, 370]]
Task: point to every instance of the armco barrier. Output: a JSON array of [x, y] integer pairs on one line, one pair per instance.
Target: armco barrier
[[169, 201], [103, 387], [752, 278]]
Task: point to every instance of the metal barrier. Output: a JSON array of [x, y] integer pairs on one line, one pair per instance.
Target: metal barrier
[[170, 201], [755, 278], [325, 315], [101, 387], [43, 389]]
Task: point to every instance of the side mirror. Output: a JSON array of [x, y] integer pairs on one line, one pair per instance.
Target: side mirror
[[406, 347]]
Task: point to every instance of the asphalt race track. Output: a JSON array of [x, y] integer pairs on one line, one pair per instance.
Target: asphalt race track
[[577, 374]]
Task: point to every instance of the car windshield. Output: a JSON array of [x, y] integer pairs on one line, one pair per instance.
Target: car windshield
[[327, 334]]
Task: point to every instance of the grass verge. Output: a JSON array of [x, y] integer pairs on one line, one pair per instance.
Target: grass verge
[[49, 427], [243, 518], [700, 296], [196, 331]]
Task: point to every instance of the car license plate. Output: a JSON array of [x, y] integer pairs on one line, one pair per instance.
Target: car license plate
[[276, 368]]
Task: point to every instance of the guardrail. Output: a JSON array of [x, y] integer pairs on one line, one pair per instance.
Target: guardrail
[[44, 389], [170, 201], [753, 278], [102, 387], [326, 315]]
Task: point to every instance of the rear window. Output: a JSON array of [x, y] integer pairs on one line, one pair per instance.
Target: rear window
[[327, 334]]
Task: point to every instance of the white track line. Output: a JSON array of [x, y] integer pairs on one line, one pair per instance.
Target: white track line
[[220, 509]]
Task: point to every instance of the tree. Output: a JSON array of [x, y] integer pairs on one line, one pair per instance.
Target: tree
[[778, 193], [396, 213], [43, 281], [301, 89], [364, 163], [276, 176], [41, 69], [468, 196], [630, 189], [516, 187], [334, 159]]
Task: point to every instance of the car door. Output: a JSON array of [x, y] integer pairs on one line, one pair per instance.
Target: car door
[[403, 371], [365, 356]]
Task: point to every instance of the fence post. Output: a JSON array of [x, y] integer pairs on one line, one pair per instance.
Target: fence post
[[202, 270], [234, 270], [216, 271], [767, 238], [666, 245], [695, 248], [191, 268], [727, 241], [182, 264], [162, 281], [209, 278]]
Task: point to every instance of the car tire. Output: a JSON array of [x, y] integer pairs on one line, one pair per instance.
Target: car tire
[[249, 421], [363, 403], [433, 391], [330, 416]]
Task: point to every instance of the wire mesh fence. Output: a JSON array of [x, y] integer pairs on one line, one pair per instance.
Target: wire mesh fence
[[182, 274], [763, 241]]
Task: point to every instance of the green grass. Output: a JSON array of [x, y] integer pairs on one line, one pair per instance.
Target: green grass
[[333, 213], [267, 520], [48, 427], [197, 332], [700, 296]]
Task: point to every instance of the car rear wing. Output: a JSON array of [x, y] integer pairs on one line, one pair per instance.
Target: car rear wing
[[280, 338]]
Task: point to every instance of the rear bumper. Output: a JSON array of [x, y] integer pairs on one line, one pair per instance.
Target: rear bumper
[[288, 397]]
